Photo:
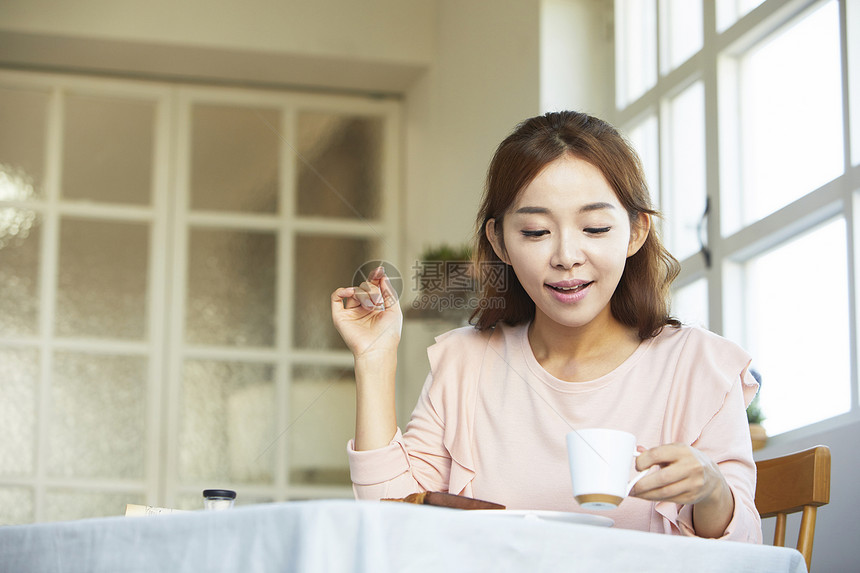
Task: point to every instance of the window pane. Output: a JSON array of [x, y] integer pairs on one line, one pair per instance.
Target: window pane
[[235, 159], [316, 438], [23, 115], [339, 165], [645, 140], [107, 150], [690, 303], [636, 48], [227, 418], [791, 114], [343, 256], [730, 11], [685, 189], [98, 411], [681, 31], [20, 238], [19, 380], [16, 505], [852, 41], [103, 278], [231, 288], [805, 378]]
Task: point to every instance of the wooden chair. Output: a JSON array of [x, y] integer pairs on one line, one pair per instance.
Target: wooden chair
[[792, 483]]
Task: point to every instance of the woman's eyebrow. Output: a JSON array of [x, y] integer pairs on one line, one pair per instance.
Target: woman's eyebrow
[[584, 209], [532, 211], [596, 207]]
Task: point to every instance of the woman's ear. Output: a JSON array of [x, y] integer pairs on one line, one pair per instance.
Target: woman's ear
[[639, 230], [496, 240]]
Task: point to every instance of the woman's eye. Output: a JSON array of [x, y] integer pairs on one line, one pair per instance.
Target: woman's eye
[[596, 230], [540, 233]]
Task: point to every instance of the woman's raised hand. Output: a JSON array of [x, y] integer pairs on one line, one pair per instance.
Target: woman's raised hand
[[368, 316]]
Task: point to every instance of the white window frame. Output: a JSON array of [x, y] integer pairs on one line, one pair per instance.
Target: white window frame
[[837, 198]]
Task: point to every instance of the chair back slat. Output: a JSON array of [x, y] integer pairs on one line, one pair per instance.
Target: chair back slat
[[788, 483], [792, 483]]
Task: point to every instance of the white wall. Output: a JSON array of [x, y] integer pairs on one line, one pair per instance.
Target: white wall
[[372, 45], [483, 80], [391, 30], [577, 57]]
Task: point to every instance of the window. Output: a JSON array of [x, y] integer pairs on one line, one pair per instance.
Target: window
[[684, 172], [682, 22], [637, 67], [690, 303], [729, 11], [790, 91], [155, 336], [793, 390], [743, 129]]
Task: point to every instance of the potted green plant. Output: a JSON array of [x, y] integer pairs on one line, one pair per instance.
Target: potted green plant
[[446, 282], [446, 269]]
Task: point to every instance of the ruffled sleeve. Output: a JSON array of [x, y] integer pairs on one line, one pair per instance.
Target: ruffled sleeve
[[435, 452], [455, 396], [707, 409]]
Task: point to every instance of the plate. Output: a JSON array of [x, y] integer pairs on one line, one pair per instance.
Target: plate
[[566, 516]]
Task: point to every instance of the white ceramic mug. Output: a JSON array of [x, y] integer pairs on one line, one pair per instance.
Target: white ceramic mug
[[601, 462]]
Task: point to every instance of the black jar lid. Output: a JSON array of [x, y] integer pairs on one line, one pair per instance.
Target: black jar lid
[[225, 493]]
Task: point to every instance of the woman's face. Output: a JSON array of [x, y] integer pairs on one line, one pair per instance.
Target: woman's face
[[567, 238]]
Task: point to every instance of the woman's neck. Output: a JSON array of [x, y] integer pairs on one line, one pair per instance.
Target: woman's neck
[[583, 353]]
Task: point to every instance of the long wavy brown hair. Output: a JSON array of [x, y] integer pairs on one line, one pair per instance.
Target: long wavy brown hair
[[641, 299]]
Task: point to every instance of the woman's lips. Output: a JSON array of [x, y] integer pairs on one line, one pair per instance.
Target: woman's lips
[[569, 291]]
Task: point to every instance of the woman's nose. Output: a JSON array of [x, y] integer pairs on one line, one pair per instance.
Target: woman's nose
[[567, 254]]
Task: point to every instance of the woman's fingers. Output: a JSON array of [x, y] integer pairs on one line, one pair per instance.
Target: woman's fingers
[[376, 293], [343, 297], [683, 474], [376, 273], [369, 295], [389, 295], [366, 295]]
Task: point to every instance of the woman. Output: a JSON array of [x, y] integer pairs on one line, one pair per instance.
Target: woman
[[583, 339]]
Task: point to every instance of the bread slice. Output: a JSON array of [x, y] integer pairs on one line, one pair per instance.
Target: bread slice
[[442, 499]]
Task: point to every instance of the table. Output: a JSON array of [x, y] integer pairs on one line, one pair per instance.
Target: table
[[364, 536]]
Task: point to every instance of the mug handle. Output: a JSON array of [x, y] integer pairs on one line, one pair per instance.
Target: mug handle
[[637, 477]]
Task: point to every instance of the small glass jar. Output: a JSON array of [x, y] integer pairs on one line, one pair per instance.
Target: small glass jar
[[218, 499]]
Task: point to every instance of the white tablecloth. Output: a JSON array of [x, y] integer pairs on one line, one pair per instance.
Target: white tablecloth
[[367, 537]]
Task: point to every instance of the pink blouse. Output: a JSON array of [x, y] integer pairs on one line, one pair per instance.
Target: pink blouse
[[491, 423]]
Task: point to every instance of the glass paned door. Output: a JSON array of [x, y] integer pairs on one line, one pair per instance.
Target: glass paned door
[[166, 254], [79, 223], [259, 368]]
